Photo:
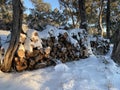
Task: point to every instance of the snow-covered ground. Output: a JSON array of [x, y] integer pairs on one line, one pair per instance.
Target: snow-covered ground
[[3, 35], [86, 74], [93, 73]]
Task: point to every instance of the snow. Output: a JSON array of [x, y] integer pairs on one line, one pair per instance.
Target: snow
[[37, 42], [22, 37], [93, 73], [5, 37], [85, 74], [52, 31], [61, 67], [47, 50], [21, 47], [27, 45]]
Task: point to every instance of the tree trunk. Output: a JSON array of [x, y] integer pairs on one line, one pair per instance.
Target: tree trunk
[[15, 34], [116, 49], [82, 11], [100, 27], [108, 19]]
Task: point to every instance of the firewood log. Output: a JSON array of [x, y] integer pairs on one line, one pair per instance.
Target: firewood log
[[65, 35], [29, 55], [21, 53], [55, 49], [32, 62], [50, 44], [44, 43], [22, 38], [40, 65], [53, 39], [47, 50], [39, 58], [20, 66], [46, 55]]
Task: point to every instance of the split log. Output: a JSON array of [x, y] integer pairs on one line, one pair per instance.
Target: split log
[[21, 53], [40, 65], [20, 65], [22, 38]]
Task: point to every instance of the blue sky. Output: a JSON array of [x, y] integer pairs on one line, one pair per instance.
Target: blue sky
[[28, 4], [54, 3]]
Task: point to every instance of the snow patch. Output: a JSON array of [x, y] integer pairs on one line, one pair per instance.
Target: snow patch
[[33, 40], [61, 67]]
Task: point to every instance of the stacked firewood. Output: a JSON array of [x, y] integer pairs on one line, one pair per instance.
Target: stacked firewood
[[99, 45], [30, 53], [61, 49], [34, 52]]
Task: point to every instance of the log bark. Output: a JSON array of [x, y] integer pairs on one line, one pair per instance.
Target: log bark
[[20, 65]]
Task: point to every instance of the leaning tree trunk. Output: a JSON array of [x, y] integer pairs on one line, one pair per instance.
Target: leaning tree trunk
[[108, 19], [116, 49], [100, 27], [82, 11], [15, 34]]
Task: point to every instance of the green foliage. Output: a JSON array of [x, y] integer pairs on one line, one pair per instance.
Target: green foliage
[[69, 14], [71, 11], [5, 13], [115, 16], [40, 19], [41, 6], [42, 15]]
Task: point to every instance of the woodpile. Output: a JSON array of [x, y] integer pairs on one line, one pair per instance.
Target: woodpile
[[30, 53], [99, 45], [35, 52]]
